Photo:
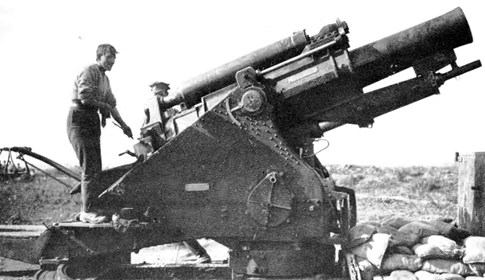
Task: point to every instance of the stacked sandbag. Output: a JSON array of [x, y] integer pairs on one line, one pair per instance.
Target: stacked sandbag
[[403, 249], [474, 254]]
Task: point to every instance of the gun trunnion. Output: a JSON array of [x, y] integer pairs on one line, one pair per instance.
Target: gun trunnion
[[237, 164]]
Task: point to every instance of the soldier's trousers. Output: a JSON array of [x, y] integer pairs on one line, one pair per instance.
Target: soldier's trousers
[[84, 131]]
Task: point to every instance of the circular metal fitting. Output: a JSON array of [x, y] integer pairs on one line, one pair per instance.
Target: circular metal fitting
[[270, 202], [253, 101]]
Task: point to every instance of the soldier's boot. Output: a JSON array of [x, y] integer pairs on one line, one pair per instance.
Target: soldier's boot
[[89, 215], [197, 249]]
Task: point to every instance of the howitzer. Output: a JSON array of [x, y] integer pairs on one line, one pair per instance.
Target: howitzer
[[427, 47], [237, 164]]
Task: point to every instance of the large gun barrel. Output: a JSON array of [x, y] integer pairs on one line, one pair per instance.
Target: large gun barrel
[[397, 52], [193, 89], [369, 63]]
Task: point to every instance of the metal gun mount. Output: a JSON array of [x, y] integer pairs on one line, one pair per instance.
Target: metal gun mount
[[237, 164]]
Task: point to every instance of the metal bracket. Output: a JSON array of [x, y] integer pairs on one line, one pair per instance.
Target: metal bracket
[[246, 77], [78, 242]]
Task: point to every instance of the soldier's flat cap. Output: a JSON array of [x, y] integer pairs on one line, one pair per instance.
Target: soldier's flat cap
[[160, 85]]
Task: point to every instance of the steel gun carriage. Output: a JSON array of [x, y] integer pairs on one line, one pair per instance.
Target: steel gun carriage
[[237, 163]]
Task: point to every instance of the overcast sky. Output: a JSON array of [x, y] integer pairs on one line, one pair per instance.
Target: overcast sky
[[44, 44]]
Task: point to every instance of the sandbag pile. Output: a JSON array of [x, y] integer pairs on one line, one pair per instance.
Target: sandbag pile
[[402, 249]]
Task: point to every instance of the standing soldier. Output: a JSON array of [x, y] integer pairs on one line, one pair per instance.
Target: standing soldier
[[91, 99]]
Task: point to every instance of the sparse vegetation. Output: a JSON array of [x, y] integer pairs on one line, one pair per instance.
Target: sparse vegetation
[[37, 200], [417, 192]]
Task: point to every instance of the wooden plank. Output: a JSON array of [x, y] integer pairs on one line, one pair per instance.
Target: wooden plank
[[21, 231], [83, 225]]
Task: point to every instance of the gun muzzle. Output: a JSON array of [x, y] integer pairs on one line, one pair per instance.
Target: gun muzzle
[[382, 58]]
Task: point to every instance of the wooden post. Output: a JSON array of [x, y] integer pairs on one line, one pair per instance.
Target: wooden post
[[471, 192]]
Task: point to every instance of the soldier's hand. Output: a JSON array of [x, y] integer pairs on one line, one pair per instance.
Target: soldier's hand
[[127, 131]]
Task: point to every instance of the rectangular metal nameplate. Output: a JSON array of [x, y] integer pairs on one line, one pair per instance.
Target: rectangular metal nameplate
[[197, 187]]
